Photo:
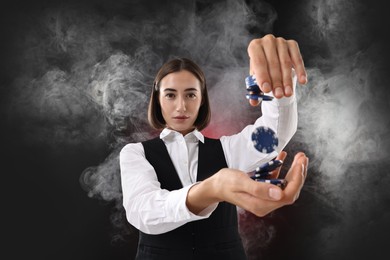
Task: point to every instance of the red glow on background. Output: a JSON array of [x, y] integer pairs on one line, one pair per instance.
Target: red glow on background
[[216, 131]]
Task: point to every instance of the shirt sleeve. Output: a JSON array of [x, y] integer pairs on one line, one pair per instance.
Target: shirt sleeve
[[149, 208], [280, 115]]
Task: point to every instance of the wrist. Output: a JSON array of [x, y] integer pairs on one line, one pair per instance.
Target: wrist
[[201, 196], [214, 188]]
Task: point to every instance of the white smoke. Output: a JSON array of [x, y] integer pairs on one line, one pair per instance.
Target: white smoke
[[87, 75], [343, 126]]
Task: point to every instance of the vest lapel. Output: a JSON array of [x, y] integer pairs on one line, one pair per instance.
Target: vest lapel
[[157, 154], [210, 160]]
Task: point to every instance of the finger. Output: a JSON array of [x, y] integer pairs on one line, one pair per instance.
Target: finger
[[297, 61], [261, 190], [281, 156], [258, 64], [299, 158], [285, 66], [271, 54], [294, 185], [253, 102], [296, 178], [260, 59], [257, 197], [302, 159]]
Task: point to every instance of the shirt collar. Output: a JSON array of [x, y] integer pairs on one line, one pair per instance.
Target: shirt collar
[[166, 133]]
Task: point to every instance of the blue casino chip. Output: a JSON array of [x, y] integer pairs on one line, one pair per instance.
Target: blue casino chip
[[254, 91], [259, 97], [251, 85], [250, 81], [264, 139]]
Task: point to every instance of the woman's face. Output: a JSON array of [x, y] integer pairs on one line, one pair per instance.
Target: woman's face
[[180, 99]]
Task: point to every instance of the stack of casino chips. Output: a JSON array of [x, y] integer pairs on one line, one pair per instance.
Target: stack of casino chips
[[254, 91], [263, 173], [265, 141]]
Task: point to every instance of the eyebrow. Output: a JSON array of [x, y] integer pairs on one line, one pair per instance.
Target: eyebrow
[[174, 90]]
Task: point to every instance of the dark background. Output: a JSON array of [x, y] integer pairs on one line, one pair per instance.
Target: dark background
[[48, 213]]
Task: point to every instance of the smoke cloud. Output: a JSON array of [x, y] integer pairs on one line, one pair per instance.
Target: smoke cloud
[[344, 129]]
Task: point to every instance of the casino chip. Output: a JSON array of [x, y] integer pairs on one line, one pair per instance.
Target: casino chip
[[251, 84], [264, 139], [282, 183], [254, 91]]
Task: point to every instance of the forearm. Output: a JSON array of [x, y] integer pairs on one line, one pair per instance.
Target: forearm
[[282, 117], [279, 116], [201, 196], [159, 211], [148, 207]]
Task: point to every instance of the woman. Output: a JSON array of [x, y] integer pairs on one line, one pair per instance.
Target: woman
[[181, 189]]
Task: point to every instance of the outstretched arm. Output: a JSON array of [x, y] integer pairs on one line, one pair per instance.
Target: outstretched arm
[[277, 65]]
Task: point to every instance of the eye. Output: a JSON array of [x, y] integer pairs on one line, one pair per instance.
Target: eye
[[170, 95], [191, 95]]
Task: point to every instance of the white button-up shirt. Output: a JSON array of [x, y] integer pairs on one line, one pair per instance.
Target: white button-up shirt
[[154, 210]]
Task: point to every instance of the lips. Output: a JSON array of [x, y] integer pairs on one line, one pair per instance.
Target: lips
[[181, 117]]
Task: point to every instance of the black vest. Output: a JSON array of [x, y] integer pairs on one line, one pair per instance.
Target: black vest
[[216, 237]]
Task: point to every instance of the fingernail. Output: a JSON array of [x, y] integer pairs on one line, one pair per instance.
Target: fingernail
[[266, 87], [274, 193], [288, 90], [278, 92]]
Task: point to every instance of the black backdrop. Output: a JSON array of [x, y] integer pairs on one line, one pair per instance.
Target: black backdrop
[[47, 213]]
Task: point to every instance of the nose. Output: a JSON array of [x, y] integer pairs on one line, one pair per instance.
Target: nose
[[181, 104]]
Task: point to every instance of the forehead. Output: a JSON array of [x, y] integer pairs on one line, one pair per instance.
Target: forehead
[[180, 79]]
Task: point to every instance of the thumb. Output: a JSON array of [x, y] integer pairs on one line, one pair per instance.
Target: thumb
[[296, 175]]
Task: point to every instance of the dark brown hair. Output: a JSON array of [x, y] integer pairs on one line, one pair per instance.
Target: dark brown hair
[[156, 120]]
